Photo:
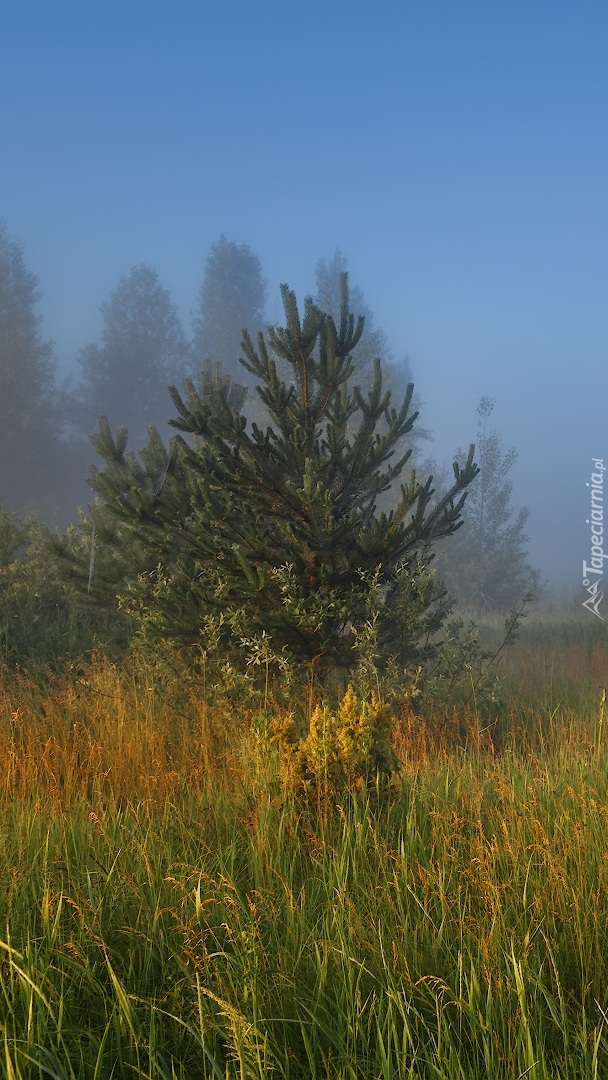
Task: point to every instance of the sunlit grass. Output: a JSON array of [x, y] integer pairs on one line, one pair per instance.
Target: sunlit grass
[[168, 909]]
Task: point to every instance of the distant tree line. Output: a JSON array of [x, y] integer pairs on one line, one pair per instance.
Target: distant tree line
[[45, 428], [50, 433], [486, 565]]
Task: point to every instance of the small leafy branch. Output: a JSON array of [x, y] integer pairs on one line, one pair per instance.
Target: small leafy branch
[[462, 669]]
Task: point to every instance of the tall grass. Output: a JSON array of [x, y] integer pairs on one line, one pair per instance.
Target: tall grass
[[557, 658], [169, 909]]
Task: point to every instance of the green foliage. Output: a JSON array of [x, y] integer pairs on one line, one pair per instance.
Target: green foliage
[[373, 343], [43, 619], [274, 532], [464, 669]]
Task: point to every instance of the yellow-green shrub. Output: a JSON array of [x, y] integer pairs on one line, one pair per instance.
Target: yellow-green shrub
[[345, 748]]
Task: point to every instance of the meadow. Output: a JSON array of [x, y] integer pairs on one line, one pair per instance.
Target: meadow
[[171, 907]]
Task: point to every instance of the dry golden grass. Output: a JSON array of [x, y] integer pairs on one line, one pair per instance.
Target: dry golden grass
[[103, 730], [172, 909]]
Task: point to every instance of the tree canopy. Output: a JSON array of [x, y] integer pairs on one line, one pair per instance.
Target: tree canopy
[[373, 343], [250, 534]]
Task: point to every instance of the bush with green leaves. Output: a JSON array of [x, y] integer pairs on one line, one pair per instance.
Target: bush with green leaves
[[43, 618]]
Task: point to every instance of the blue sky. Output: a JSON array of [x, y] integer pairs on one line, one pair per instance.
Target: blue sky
[[457, 153]]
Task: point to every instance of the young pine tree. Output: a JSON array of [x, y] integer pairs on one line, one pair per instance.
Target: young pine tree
[[271, 536]]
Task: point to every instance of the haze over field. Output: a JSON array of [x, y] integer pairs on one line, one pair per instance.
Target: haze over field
[[456, 153]]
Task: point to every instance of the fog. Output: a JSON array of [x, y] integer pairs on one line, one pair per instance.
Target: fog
[[455, 154]]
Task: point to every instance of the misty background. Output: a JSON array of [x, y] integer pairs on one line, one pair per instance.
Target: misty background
[[454, 154]]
